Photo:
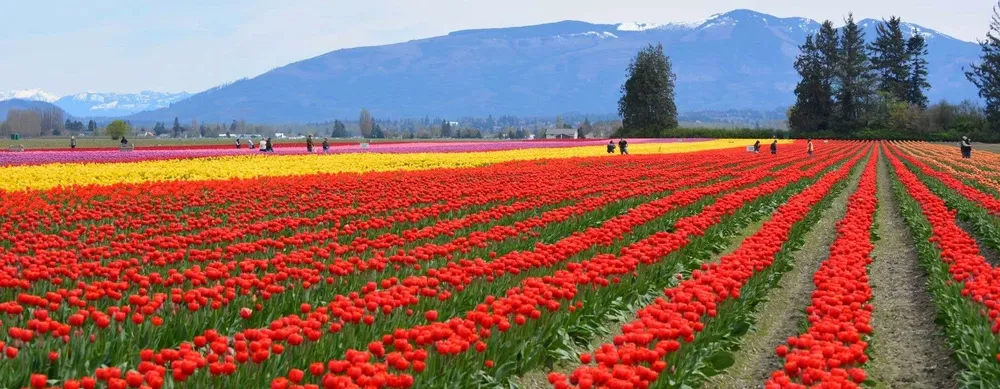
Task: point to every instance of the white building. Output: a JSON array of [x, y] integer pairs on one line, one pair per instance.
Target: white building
[[560, 133]]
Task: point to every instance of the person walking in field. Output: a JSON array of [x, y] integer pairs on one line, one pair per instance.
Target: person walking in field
[[309, 143], [238, 143], [326, 146], [611, 147], [756, 147], [774, 147], [72, 142], [966, 147], [809, 147], [623, 146]]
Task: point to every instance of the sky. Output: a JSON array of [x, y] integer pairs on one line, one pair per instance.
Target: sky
[[126, 46]]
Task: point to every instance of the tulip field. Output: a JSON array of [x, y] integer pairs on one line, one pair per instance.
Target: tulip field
[[534, 264]]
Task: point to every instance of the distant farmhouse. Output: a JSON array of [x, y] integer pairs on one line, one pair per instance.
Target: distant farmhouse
[[560, 133]]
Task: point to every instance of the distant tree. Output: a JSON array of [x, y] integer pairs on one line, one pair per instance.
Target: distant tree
[[647, 104], [585, 128], [339, 130], [159, 129], [520, 134], [855, 78], [92, 127], [177, 128], [377, 132], [916, 48], [366, 123], [446, 129], [813, 102], [117, 129], [986, 75], [890, 59], [559, 122], [232, 128]]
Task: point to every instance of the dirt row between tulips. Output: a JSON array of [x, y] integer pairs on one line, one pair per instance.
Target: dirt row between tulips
[[908, 349], [538, 378], [783, 313]]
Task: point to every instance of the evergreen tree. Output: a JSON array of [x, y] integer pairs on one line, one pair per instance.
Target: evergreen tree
[[916, 49], [854, 78], [377, 132], [177, 127], [366, 123], [986, 75], [92, 127], [890, 59], [339, 130], [159, 129], [445, 129], [647, 104], [813, 102]]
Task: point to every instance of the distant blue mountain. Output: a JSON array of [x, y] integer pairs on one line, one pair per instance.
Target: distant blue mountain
[[92, 104], [737, 60], [19, 104]]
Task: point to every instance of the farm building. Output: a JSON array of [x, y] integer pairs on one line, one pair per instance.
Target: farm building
[[560, 133]]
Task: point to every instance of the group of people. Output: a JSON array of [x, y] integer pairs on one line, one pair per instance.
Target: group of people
[[309, 144], [264, 145], [774, 147], [622, 146]]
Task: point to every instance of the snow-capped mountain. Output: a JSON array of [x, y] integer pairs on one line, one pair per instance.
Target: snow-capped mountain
[[117, 104], [736, 60], [29, 95], [94, 104]]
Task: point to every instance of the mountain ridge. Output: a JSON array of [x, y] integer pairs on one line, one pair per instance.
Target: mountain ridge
[[740, 59]]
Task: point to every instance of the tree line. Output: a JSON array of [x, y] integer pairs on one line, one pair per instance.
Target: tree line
[[851, 89], [847, 86]]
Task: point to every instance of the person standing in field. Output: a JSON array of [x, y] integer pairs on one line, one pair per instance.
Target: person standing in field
[[756, 146], [809, 147], [72, 142], [238, 143], [966, 147], [309, 143], [774, 147], [326, 146], [124, 141], [611, 147], [250, 144], [623, 146]]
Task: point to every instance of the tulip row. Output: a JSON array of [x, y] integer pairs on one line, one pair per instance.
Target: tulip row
[[979, 221], [18, 178], [555, 216], [526, 302], [409, 293], [964, 285], [974, 173], [38, 157], [647, 345], [640, 186], [991, 203], [831, 352]]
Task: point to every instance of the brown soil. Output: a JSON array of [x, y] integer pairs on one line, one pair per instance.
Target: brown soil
[[908, 350], [783, 313]]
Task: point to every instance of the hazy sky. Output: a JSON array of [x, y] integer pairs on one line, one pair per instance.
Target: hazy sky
[[71, 46]]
